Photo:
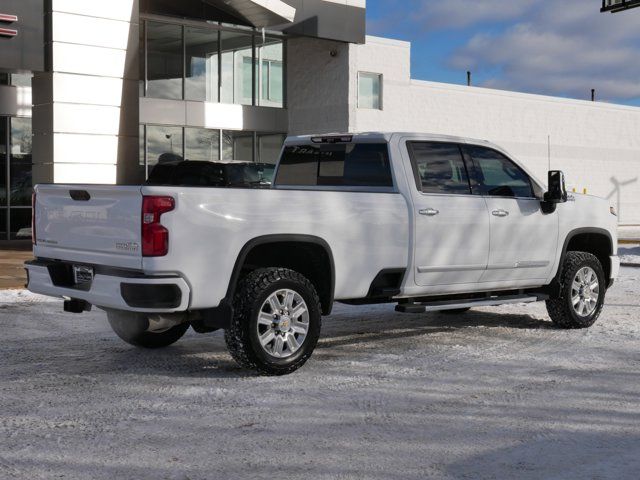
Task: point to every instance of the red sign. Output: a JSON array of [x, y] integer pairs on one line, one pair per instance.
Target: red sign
[[8, 32]]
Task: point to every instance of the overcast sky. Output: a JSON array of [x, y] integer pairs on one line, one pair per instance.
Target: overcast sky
[[556, 47]]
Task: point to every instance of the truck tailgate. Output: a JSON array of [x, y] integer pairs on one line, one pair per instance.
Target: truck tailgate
[[93, 224]]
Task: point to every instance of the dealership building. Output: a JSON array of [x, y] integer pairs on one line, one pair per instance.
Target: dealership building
[[100, 92]]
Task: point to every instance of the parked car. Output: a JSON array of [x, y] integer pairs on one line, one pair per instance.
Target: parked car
[[426, 222]]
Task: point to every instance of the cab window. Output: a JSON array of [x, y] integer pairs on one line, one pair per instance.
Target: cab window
[[498, 176], [439, 168], [362, 165]]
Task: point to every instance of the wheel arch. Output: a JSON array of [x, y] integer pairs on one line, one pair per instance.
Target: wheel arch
[[267, 249], [596, 241]]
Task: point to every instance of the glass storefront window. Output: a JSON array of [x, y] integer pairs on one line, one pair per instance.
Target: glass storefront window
[[16, 189], [141, 142], [269, 147], [3, 223], [20, 223], [201, 64], [212, 65], [164, 60], [237, 146], [3, 163], [21, 162], [164, 144], [271, 74], [202, 144], [237, 73]]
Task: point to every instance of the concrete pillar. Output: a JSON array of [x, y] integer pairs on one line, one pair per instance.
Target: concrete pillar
[[86, 104]]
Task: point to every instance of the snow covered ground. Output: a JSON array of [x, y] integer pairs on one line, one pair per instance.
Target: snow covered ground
[[629, 254], [497, 393]]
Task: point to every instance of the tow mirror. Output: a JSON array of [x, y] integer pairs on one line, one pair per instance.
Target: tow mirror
[[557, 192]]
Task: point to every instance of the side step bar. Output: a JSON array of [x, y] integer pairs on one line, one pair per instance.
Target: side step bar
[[423, 307]]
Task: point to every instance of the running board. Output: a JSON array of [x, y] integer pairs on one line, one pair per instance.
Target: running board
[[423, 307]]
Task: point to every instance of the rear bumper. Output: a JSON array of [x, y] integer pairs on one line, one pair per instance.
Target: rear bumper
[[114, 289]]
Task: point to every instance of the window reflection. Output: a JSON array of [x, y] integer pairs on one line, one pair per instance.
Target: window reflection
[[164, 144], [3, 163], [21, 162], [164, 60], [271, 74], [370, 90], [237, 146], [226, 66], [237, 73], [269, 147], [202, 144], [201, 64]]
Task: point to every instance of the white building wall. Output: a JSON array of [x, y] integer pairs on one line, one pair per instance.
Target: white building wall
[[317, 73], [596, 144]]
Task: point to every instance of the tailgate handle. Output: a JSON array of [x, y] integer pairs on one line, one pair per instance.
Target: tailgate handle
[[80, 195]]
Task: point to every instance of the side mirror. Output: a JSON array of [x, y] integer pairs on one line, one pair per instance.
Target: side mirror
[[557, 192]]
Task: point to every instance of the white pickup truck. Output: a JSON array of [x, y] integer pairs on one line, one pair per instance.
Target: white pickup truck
[[426, 222]]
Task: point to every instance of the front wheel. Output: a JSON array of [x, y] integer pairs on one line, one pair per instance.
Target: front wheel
[[276, 322], [582, 292], [142, 330]]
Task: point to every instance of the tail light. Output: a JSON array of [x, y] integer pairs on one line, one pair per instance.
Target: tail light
[[155, 237], [33, 218]]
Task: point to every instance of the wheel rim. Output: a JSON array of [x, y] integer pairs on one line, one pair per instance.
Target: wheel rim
[[585, 292], [283, 323]]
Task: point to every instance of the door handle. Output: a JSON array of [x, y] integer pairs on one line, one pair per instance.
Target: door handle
[[429, 212], [500, 213]]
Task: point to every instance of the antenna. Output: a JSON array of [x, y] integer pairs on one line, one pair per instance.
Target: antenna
[[468, 78]]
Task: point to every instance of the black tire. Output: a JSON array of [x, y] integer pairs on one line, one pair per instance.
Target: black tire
[[560, 308], [242, 335], [456, 311], [132, 328]]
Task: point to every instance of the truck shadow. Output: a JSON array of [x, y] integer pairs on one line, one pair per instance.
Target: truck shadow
[[206, 355], [342, 330]]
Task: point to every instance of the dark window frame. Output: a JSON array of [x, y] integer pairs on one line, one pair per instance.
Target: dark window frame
[[475, 168], [391, 188], [416, 173], [218, 28]]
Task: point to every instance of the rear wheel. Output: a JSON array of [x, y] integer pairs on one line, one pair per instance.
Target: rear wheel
[[143, 330], [582, 292], [276, 322]]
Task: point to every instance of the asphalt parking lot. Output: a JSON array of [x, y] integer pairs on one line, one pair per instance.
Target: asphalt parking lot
[[495, 393]]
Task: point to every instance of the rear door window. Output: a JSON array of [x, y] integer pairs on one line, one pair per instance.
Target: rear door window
[[439, 168], [335, 165]]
